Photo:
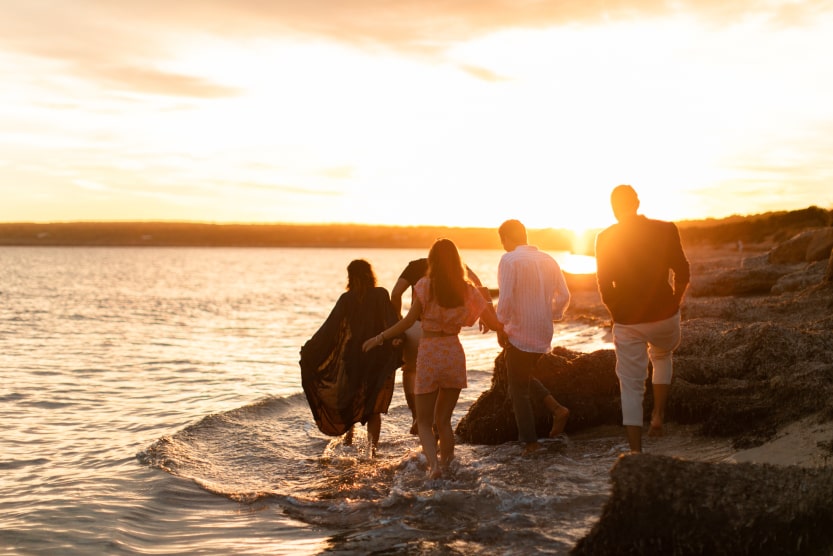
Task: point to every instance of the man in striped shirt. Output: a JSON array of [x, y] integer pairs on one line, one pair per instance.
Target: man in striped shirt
[[532, 294]]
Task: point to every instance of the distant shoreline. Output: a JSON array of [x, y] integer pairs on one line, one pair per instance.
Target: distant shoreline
[[753, 229], [184, 234]]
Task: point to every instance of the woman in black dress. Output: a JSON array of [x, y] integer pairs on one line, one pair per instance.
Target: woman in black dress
[[343, 384]]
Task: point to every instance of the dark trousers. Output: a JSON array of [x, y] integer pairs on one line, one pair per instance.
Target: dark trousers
[[523, 387]]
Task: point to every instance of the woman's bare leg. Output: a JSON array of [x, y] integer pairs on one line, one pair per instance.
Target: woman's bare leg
[[446, 402], [374, 430], [425, 404]]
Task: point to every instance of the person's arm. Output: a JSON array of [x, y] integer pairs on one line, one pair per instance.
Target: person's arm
[[396, 294], [505, 284], [484, 291], [604, 279], [489, 318], [397, 329], [473, 278], [484, 325], [561, 297], [679, 264]]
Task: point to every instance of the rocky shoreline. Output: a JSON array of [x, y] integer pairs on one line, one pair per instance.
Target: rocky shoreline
[[754, 370]]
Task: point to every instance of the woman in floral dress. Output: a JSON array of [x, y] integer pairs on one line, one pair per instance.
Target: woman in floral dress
[[445, 301]]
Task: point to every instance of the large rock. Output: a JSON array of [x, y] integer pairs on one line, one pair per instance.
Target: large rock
[[808, 246], [663, 505], [794, 250], [744, 380], [809, 275], [821, 245], [748, 280], [585, 383]]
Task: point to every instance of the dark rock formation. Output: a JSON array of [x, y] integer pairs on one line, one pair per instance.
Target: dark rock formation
[[821, 245], [663, 505], [585, 383], [789, 266], [748, 280], [808, 246]]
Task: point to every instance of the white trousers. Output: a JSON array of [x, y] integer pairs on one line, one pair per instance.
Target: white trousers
[[635, 344]]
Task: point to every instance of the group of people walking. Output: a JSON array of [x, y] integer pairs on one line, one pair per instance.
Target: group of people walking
[[349, 364]]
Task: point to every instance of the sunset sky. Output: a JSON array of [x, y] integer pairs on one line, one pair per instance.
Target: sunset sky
[[440, 112]]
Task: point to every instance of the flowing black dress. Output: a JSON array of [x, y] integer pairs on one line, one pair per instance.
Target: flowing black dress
[[344, 385]]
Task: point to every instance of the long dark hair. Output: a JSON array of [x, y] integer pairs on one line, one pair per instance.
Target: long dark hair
[[447, 274], [360, 277]]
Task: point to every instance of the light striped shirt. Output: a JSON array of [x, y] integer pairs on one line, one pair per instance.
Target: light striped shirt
[[532, 293]]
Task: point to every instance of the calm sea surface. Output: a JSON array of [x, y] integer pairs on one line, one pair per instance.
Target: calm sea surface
[[151, 403]]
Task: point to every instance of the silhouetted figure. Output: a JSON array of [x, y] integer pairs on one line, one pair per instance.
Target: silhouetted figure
[[343, 384], [635, 261]]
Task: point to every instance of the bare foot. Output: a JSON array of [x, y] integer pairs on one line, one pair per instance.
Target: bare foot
[[436, 473], [656, 429], [531, 447], [414, 428], [348, 437], [446, 465], [559, 421]]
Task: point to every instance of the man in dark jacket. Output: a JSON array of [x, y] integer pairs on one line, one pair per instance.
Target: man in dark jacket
[[636, 259]]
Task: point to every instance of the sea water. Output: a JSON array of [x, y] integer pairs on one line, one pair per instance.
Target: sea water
[[151, 403]]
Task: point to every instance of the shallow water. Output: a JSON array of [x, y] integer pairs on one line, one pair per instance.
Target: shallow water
[[151, 404]]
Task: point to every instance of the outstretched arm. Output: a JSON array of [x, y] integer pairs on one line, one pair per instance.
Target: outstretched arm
[[397, 329], [489, 318]]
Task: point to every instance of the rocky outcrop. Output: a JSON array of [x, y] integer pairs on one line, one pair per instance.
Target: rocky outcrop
[[747, 280], [747, 365], [585, 383], [663, 505], [735, 380], [789, 266], [808, 246], [745, 380]]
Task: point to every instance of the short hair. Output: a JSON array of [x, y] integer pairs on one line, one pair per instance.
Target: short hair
[[513, 230], [624, 197]]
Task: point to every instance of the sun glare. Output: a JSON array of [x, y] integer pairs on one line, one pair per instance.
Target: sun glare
[[534, 124]]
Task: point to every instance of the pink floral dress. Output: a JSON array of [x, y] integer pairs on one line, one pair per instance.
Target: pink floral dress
[[441, 361]]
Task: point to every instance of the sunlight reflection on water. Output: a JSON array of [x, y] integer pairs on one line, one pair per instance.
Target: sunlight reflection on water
[[107, 350]]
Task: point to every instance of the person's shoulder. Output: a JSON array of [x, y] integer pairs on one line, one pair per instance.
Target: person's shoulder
[[416, 266], [661, 224]]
